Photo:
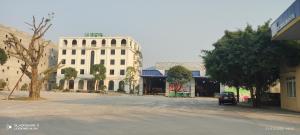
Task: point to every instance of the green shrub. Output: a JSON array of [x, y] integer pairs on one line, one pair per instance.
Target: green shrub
[[24, 87], [66, 90], [2, 83], [121, 90]]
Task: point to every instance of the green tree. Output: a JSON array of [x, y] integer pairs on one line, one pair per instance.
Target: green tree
[[98, 72], [248, 58], [3, 56], [130, 78], [132, 72], [138, 59], [178, 76], [69, 73]]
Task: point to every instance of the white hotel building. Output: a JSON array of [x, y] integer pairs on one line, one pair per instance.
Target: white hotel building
[[116, 53]]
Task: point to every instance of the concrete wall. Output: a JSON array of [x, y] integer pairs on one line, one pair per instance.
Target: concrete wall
[[290, 103]]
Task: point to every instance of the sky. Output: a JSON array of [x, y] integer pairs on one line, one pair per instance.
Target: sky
[[167, 30]]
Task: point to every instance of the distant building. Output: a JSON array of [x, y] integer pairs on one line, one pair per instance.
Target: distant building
[[81, 53], [154, 81], [10, 71], [287, 27]]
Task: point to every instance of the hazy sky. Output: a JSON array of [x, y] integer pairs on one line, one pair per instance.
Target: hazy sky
[[167, 30]]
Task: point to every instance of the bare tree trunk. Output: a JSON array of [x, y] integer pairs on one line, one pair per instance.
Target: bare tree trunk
[[258, 93], [96, 85], [133, 89], [238, 94], [67, 87], [130, 87], [34, 92], [252, 97]]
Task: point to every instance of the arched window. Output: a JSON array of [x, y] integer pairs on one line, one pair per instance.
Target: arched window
[[83, 42], [123, 42], [101, 84], [111, 85], [71, 84], [74, 42], [121, 85], [80, 84], [65, 42], [90, 85], [92, 60], [61, 83], [94, 43], [113, 42], [103, 42]]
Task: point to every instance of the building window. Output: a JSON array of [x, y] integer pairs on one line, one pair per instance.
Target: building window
[[102, 52], [92, 60], [83, 42], [111, 85], [65, 42], [291, 86], [94, 43], [112, 62], [122, 72], [112, 51], [82, 62], [113, 42], [81, 71], [80, 84], [62, 71], [123, 52], [103, 42], [64, 52], [102, 62], [73, 61], [63, 61], [73, 52], [122, 62], [82, 52], [74, 42], [111, 72], [123, 42]]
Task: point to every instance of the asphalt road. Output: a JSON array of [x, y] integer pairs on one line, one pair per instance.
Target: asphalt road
[[90, 114]]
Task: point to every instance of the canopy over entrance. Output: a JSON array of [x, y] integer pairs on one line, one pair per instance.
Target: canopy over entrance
[[287, 25]]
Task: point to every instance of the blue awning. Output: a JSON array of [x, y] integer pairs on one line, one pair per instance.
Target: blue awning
[[152, 73], [195, 74], [156, 73]]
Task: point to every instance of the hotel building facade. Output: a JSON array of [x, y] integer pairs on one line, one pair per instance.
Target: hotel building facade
[[81, 53]]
